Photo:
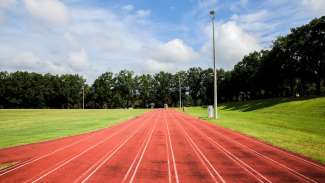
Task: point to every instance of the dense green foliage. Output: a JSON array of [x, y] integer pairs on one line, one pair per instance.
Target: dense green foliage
[[294, 66], [295, 125], [24, 126]]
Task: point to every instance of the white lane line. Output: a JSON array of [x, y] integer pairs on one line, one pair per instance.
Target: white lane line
[[44, 156], [144, 150], [279, 150], [47, 155], [239, 162], [172, 152], [136, 157], [202, 157], [167, 151], [111, 154], [295, 173], [64, 162]]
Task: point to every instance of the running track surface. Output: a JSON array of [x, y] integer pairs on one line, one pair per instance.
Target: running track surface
[[159, 146]]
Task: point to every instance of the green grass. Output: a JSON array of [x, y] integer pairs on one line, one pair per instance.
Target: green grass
[[24, 126], [295, 125]]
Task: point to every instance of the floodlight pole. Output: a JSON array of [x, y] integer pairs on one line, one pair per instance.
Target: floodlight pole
[[215, 107]]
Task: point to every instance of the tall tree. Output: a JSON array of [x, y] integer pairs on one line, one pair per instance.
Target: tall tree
[[103, 90], [125, 87], [144, 88]]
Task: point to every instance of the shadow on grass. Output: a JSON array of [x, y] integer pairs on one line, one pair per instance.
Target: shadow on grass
[[252, 105]]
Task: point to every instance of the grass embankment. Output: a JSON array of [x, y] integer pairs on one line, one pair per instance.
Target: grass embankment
[[24, 126], [295, 125]]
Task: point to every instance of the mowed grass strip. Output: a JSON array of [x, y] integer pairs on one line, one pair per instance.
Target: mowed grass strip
[[24, 126], [295, 125]]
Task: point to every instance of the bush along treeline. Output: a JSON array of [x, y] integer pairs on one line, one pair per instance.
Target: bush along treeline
[[294, 66]]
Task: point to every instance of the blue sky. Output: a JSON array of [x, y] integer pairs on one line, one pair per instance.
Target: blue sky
[[90, 37]]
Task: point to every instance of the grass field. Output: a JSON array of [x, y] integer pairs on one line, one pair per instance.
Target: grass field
[[24, 126], [295, 125]]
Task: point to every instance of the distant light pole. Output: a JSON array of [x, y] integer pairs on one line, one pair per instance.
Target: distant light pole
[[215, 106], [83, 97]]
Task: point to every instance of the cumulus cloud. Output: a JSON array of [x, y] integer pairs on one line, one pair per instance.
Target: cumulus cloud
[[50, 11], [4, 4], [317, 6], [154, 66], [27, 60], [96, 39], [78, 60], [259, 23], [174, 51], [12, 59], [142, 13], [72, 40], [232, 44]]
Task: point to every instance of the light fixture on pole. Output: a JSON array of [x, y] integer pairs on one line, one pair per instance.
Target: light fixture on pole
[[215, 106]]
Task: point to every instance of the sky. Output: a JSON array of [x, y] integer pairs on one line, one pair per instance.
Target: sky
[[90, 37]]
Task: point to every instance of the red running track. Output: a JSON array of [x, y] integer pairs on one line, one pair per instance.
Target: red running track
[[159, 146]]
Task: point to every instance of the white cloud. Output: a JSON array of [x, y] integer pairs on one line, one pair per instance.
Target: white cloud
[[154, 66], [50, 11], [143, 13], [78, 60], [259, 24], [27, 60], [232, 44], [128, 7], [4, 4], [252, 17], [96, 39], [72, 40], [317, 6], [174, 51], [13, 59]]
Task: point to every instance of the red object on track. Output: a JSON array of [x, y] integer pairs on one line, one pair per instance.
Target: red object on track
[[159, 146]]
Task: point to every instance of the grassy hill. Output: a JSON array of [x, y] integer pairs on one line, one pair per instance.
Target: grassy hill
[[297, 125], [24, 126]]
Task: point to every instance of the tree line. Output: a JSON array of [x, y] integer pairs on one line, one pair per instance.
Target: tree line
[[294, 66]]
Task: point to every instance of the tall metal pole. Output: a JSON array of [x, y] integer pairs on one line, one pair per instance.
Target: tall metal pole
[[83, 97], [180, 92], [215, 106]]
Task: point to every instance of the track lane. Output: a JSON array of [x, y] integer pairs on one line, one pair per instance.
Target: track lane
[[112, 166], [190, 165], [44, 165], [50, 148], [157, 161], [170, 154], [133, 170], [25, 154], [86, 164], [277, 171], [230, 167], [164, 146]]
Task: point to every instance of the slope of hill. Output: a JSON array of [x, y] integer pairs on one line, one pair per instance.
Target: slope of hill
[[297, 125]]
